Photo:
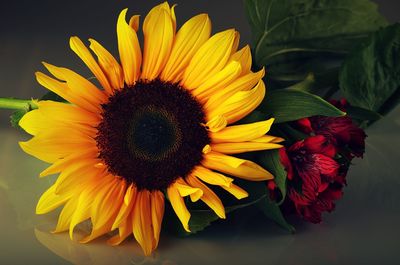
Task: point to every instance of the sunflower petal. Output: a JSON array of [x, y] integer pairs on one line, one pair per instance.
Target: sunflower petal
[[179, 206], [158, 30], [126, 207], [242, 133], [141, 222], [129, 50], [50, 201], [243, 56], [237, 148], [157, 213], [217, 123], [105, 207], [218, 81], [236, 191], [242, 83], [240, 104], [124, 230], [186, 190], [79, 87], [237, 167], [209, 197], [108, 64], [191, 36], [134, 22], [211, 57], [83, 52], [211, 177], [65, 217]]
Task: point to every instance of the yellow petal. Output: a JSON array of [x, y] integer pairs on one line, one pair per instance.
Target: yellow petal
[[268, 139], [77, 175], [141, 222], [236, 41], [126, 207], [71, 159], [90, 97], [34, 122], [242, 83], [217, 123], [191, 36], [240, 104], [243, 56], [129, 50], [179, 206], [124, 230], [105, 208], [209, 59], [108, 64], [211, 177], [236, 191], [107, 202], [50, 201], [157, 213], [186, 190], [134, 22], [83, 52], [158, 31], [237, 167], [243, 147], [54, 144], [242, 133], [209, 197], [218, 81], [67, 113], [64, 219], [62, 89]]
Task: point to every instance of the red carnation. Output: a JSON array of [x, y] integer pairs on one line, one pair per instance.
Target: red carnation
[[315, 180], [340, 131]]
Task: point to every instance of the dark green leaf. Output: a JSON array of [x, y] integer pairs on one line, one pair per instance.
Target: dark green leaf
[[362, 114], [290, 105], [270, 160], [16, 117], [200, 219], [272, 211], [53, 97], [371, 75], [284, 27]]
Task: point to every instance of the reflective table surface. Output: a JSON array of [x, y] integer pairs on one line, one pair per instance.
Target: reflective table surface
[[364, 229]]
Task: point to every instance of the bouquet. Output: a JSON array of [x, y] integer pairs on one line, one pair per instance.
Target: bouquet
[[187, 126]]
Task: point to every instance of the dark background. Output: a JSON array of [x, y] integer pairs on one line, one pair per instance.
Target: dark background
[[38, 30]]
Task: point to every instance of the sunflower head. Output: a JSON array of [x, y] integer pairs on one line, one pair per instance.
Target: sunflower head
[[160, 124]]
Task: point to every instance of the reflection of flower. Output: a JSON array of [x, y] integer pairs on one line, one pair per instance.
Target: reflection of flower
[[340, 131], [314, 180], [160, 123]]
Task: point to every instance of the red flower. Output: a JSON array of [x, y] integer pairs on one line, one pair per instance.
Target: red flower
[[315, 180], [340, 131]]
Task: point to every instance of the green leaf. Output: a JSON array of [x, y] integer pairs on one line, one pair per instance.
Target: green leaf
[[362, 114], [200, 219], [53, 97], [286, 27], [289, 105], [16, 117], [272, 211], [270, 160], [370, 77]]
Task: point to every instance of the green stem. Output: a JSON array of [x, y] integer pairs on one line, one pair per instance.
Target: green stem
[[17, 104]]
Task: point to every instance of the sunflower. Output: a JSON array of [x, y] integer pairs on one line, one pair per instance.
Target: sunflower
[[159, 127]]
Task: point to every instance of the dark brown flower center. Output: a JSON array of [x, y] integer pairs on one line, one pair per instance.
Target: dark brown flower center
[[152, 133]]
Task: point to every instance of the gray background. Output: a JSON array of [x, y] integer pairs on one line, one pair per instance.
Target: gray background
[[363, 230]]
